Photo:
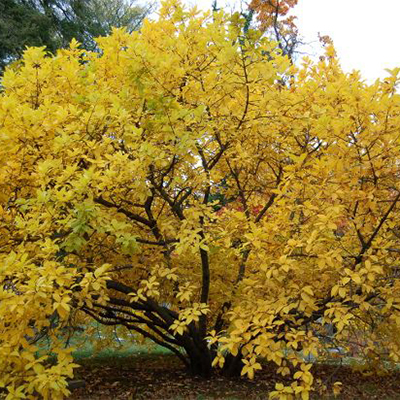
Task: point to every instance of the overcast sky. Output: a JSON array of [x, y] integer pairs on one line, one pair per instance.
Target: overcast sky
[[366, 33]]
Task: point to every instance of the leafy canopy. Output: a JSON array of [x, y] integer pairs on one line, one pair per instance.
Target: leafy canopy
[[190, 185]]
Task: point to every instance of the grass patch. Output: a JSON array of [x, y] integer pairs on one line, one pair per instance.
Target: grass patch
[[133, 350]]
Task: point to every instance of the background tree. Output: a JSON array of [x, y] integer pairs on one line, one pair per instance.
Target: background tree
[[108, 171], [274, 19], [54, 23], [20, 26], [102, 15]]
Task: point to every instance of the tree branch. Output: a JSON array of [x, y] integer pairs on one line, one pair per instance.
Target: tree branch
[[132, 216]]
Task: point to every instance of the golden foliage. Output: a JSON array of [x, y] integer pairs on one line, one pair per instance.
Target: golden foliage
[[186, 184]]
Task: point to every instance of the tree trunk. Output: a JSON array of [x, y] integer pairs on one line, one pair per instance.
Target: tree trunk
[[200, 359], [233, 365]]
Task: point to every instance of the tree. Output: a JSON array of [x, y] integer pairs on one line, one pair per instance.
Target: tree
[[94, 18], [54, 23], [106, 15], [275, 20], [111, 168], [34, 29]]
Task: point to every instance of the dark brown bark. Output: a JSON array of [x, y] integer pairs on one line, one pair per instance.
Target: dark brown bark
[[233, 365], [200, 360]]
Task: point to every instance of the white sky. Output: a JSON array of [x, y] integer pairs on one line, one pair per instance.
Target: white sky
[[366, 33]]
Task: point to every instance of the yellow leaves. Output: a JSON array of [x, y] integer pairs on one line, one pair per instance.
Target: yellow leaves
[[306, 297], [36, 365], [296, 389], [94, 283], [178, 327], [218, 361], [45, 166], [61, 305], [305, 394], [33, 56], [63, 195], [250, 366], [184, 295], [74, 45], [330, 51], [338, 290], [24, 372], [139, 295], [342, 321], [99, 272], [149, 287], [335, 290], [304, 373], [168, 273], [356, 279], [337, 388], [193, 314], [282, 392], [231, 344], [212, 337], [185, 292], [15, 393], [308, 290], [283, 371], [308, 302]]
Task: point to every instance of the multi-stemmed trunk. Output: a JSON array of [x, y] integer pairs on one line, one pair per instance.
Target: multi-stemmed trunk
[[199, 360], [200, 357], [154, 322]]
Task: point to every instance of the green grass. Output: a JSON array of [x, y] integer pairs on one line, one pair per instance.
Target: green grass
[[100, 348], [126, 351]]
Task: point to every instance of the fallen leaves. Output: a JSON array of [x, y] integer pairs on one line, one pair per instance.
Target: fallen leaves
[[162, 377]]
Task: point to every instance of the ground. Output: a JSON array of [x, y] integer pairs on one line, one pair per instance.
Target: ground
[[158, 375]]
